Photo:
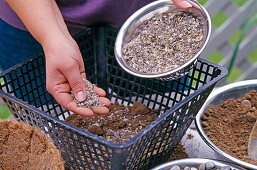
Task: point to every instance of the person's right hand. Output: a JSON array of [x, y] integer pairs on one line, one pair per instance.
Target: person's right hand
[[64, 72]]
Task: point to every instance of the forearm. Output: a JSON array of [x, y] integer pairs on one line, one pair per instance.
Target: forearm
[[42, 18]]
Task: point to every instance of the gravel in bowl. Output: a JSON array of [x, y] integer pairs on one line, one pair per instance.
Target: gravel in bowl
[[162, 41], [165, 42], [196, 164]]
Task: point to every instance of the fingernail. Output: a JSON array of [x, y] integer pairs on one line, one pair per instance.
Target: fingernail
[[186, 4], [81, 96]]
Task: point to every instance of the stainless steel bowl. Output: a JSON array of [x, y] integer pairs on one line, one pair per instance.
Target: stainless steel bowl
[[129, 29], [233, 90], [194, 162]]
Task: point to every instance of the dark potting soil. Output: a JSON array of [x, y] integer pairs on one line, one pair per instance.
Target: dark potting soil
[[179, 152], [229, 125], [120, 125]]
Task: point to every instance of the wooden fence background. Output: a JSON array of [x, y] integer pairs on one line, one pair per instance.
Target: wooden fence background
[[228, 17]]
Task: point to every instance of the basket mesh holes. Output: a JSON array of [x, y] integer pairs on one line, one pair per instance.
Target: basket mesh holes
[[64, 115], [81, 157], [160, 95], [10, 103], [15, 115]]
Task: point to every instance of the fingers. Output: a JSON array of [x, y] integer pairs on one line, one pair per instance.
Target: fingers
[[105, 101], [102, 109], [67, 101], [99, 91], [74, 76], [182, 4]]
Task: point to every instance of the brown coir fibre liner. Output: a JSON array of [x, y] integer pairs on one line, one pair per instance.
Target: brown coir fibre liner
[[25, 147]]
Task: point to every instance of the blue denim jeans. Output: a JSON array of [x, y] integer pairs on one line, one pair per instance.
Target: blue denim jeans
[[16, 45]]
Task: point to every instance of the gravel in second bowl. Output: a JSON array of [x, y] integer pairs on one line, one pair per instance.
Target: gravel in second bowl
[[196, 164], [165, 42]]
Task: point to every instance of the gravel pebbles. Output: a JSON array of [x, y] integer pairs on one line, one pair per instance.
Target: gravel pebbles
[[206, 166], [92, 99], [165, 42]]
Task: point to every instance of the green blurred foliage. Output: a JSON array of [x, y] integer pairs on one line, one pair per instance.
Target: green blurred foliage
[[4, 112], [218, 19]]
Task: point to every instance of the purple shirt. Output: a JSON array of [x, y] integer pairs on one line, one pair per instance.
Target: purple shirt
[[79, 14]]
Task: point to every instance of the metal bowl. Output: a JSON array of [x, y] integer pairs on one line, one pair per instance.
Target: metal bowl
[[217, 97], [193, 162], [129, 30]]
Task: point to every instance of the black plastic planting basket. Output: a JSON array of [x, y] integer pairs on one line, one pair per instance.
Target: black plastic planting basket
[[177, 102]]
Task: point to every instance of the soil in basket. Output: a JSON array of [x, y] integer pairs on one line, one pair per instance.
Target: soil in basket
[[120, 125], [230, 124]]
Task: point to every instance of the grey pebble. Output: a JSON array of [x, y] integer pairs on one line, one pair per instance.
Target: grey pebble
[[209, 165], [246, 103], [193, 168], [175, 168], [202, 167], [225, 168], [187, 168]]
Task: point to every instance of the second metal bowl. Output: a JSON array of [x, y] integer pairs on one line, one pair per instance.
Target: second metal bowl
[[144, 14], [217, 97]]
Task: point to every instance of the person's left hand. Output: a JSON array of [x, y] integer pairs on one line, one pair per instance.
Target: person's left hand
[[182, 4]]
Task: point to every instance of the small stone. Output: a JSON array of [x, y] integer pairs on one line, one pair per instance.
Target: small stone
[[225, 168], [193, 168], [253, 109], [187, 168], [202, 167], [246, 103], [175, 168], [209, 165]]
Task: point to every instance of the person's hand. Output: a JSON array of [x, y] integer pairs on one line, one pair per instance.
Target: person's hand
[[182, 4], [64, 72], [64, 64]]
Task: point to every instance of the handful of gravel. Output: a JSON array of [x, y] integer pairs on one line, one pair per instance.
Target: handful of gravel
[[92, 99], [206, 166], [165, 42]]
